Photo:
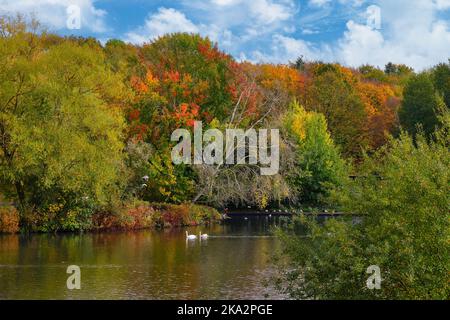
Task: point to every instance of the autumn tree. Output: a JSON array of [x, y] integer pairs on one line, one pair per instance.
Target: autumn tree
[[371, 73], [381, 105], [60, 124], [332, 92], [121, 58], [184, 78], [281, 77], [224, 184], [191, 70]]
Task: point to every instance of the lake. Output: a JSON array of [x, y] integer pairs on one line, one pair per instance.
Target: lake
[[234, 263]]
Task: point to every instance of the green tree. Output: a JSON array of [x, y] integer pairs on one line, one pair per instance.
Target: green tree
[[398, 69], [318, 161], [372, 73], [121, 57], [60, 127], [441, 79], [403, 198], [299, 64], [420, 105]]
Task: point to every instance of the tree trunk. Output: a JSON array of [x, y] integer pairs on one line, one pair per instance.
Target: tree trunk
[[21, 198]]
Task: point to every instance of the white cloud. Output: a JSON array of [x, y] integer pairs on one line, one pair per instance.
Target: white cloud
[[417, 37], [225, 2], [286, 49], [262, 15], [53, 14], [160, 23], [307, 31], [319, 3], [323, 3], [268, 12], [442, 4], [170, 21]]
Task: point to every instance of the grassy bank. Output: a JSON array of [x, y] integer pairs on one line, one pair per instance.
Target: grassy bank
[[135, 215]]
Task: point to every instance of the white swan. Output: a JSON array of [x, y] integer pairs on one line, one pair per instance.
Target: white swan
[[190, 236], [203, 236]]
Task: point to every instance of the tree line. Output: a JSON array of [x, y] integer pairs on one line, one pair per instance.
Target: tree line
[[82, 124]]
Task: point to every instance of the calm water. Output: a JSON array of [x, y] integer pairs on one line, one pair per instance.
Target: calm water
[[234, 263]]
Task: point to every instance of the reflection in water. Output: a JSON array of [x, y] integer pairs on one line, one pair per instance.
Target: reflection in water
[[233, 263]]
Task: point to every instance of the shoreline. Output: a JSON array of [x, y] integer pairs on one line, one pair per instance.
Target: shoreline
[[141, 215], [136, 215]]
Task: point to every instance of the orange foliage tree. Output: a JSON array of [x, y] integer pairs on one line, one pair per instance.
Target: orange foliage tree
[[381, 104]]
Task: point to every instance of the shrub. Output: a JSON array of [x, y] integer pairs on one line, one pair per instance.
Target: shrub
[[62, 216], [186, 214], [133, 215], [176, 215], [137, 215], [9, 220], [404, 197], [105, 220]]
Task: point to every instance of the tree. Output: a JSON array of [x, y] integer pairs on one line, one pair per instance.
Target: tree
[[441, 79], [403, 200], [60, 123], [397, 69], [390, 68], [181, 78], [242, 184], [381, 105], [371, 73], [299, 64], [318, 163], [332, 92], [191, 69], [419, 105], [281, 77]]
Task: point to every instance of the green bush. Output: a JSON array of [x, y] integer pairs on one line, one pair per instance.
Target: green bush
[[404, 197]]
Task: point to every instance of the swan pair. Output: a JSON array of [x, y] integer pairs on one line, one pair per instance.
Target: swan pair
[[194, 237]]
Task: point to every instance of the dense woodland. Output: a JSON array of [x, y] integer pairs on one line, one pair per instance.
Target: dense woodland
[[85, 145], [86, 127]]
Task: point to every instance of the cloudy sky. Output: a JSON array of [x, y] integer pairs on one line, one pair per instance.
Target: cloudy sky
[[415, 32]]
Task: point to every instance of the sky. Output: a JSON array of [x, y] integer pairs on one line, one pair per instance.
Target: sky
[[351, 32]]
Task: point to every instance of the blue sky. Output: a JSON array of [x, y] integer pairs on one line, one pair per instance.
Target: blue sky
[[415, 32]]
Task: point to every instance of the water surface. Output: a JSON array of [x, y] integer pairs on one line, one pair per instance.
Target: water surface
[[234, 263]]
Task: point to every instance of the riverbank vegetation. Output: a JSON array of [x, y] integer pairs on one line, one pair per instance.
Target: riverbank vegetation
[[403, 200]]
